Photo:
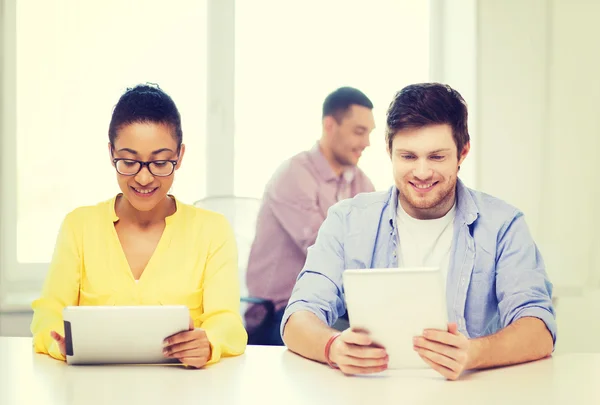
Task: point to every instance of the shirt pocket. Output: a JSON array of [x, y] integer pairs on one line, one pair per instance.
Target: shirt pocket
[[483, 276], [484, 269], [357, 253]]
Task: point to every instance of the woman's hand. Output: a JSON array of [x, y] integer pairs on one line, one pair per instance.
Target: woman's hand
[[191, 347]]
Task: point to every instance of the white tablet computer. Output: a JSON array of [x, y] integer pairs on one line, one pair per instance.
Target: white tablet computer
[[121, 334], [394, 305]]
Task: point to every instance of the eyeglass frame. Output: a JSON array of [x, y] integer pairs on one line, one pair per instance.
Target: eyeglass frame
[[144, 163], [147, 165]]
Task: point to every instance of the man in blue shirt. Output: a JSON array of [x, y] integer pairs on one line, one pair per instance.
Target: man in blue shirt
[[498, 295]]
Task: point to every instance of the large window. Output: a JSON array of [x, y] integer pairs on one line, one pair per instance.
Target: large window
[[290, 55], [66, 62], [74, 59]]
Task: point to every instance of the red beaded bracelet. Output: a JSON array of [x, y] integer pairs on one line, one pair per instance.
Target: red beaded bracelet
[[328, 348]]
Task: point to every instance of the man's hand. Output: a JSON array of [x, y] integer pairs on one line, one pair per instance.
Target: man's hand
[[445, 352], [61, 342], [190, 347], [354, 353]]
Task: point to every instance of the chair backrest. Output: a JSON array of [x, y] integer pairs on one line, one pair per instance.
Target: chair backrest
[[241, 213]]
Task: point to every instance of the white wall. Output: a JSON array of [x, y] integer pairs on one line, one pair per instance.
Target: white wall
[[454, 62], [538, 126], [534, 67], [574, 139]]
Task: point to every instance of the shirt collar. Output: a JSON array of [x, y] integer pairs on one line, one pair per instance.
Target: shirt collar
[[111, 208], [114, 217], [324, 168], [465, 204]]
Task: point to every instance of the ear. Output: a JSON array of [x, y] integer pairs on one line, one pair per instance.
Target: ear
[[110, 154], [329, 124], [464, 153], [180, 159], [389, 142]]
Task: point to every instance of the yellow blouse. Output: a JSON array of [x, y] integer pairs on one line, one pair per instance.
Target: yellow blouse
[[194, 264]]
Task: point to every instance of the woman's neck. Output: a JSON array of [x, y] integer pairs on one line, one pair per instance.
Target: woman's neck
[[144, 219]]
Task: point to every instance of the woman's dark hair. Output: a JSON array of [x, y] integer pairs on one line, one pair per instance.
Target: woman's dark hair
[[419, 105], [145, 103]]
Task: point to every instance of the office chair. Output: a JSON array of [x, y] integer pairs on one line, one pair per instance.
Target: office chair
[[242, 213]]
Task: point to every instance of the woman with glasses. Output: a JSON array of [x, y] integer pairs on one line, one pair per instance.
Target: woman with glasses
[[145, 247]]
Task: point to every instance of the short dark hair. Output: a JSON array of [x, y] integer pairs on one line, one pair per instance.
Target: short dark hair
[[339, 102], [145, 103], [419, 105]]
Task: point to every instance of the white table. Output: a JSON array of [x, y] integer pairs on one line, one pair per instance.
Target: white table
[[273, 375]]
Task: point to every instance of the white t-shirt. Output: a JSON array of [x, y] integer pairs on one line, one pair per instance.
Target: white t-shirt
[[425, 242]]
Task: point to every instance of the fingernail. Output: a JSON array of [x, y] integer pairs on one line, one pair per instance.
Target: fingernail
[[425, 333], [415, 340], [165, 343]]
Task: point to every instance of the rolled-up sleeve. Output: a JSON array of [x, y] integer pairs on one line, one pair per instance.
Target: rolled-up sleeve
[[522, 285], [318, 288], [61, 289]]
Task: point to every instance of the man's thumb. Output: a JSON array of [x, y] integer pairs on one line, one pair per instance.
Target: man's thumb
[[453, 328]]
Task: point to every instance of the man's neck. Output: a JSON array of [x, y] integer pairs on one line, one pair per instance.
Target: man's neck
[[429, 213], [337, 168]]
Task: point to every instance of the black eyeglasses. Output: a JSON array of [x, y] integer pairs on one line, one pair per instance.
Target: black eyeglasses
[[158, 168]]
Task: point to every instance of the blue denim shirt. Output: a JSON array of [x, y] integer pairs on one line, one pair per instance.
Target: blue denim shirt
[[496, 273]]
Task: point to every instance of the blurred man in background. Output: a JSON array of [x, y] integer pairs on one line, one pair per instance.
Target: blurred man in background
[[295, 204]]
